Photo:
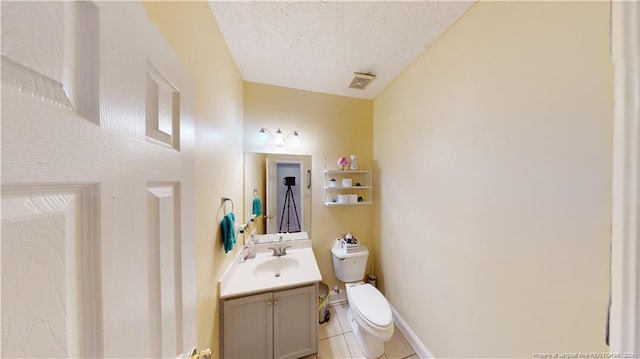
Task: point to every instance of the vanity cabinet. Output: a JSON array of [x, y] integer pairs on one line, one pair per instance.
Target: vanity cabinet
[[340, 193], [277, 324]]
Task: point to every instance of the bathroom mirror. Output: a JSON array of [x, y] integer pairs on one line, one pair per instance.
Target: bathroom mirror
[[277, 194]]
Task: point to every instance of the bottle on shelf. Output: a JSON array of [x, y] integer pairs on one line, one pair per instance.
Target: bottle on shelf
[[354, 163]]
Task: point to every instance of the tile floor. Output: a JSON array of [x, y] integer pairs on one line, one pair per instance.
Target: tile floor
[[336, 340]]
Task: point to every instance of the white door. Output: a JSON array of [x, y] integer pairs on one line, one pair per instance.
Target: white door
[[625, 241], [285, 213], [97, 184]]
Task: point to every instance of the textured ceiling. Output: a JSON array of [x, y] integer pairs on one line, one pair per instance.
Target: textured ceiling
[[317, 46]]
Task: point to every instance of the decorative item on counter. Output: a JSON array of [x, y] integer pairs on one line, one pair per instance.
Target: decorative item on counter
[[343, 198], [360, 199], [332, 182], [347, 182], [354, 162], [248, 252], [358, 184], [353, 198], [343, 162]]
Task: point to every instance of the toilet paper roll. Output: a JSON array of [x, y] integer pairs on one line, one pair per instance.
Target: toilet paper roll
[[343, 198]]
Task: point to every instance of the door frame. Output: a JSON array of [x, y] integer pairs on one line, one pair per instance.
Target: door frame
[[273, 193], [625, 210]]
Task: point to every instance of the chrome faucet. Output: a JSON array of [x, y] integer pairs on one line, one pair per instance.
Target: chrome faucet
[[283, 251], [280, 251]]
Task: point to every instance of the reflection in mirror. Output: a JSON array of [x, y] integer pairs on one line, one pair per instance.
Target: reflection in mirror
[[277, 194]]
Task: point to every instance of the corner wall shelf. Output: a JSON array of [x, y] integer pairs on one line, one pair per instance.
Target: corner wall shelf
[[357, 192], [331, 204]]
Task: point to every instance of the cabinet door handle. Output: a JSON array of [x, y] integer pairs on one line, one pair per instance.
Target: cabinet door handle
[[268, 302], [275, 302]]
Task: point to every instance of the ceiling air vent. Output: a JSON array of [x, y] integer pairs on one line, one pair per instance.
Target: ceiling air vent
[[360, 80]]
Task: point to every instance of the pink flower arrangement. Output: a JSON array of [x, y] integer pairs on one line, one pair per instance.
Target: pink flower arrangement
[[343, 162]]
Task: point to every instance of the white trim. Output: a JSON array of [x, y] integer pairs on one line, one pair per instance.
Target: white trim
[[418, 347], [421, 350], [337, 298], [625, 241]]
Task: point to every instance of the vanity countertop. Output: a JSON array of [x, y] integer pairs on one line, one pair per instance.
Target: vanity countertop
[[300, 268]]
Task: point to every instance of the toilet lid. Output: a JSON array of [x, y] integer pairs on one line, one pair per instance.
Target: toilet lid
[[371, 304]]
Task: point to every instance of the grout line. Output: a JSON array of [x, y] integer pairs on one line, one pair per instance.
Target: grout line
[[347, 343]]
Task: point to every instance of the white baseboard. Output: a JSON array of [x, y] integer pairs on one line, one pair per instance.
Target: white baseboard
[[337, 298], [420, 349]]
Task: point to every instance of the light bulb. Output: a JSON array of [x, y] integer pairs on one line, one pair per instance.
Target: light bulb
[[296, 138], [278, 139], [262, 136]]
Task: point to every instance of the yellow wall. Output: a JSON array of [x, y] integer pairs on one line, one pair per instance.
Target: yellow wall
[[494, 156], [329, 126], [255, 178], [191, 30]]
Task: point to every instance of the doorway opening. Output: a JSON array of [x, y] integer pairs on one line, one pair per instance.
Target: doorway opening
[[289, 194]]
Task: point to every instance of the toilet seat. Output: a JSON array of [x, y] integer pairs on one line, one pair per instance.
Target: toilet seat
[[370, 305]]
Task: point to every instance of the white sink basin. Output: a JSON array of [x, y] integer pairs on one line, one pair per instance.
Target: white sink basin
[[276, 267], [266, 272]]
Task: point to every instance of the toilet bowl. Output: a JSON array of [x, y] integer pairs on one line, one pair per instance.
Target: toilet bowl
[[370, 318], [369, 312]]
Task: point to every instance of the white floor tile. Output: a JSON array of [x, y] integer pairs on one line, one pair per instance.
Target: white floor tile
[[354, 348], [333, 348], [397, 347], [341, 313], [330, 328], [337, 341]]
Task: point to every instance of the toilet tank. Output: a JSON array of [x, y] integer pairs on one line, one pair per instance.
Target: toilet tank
[[349, 267]]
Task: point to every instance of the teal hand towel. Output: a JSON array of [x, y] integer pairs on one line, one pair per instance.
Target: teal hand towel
[[257, 207], [228, 231]]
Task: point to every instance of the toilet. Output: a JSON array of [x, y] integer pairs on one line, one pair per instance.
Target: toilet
[[369, 313]]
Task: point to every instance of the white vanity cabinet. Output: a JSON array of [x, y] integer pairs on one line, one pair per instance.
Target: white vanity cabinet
[[275, 324]]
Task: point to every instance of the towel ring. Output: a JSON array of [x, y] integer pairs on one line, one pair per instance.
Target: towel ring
[[224, 202], [255, 193]]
